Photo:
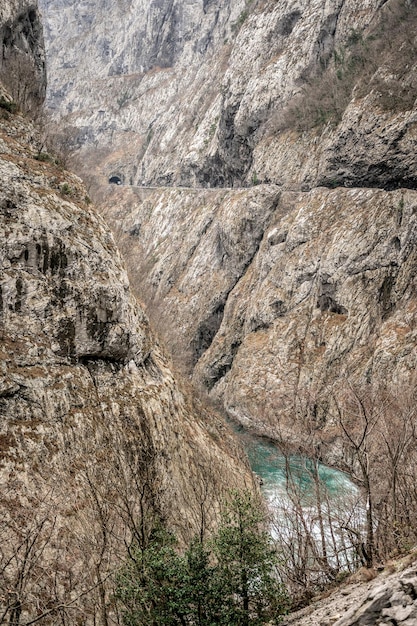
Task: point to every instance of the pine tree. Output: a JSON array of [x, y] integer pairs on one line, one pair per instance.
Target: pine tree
[[230, 581], [246, 566], [150, 586]]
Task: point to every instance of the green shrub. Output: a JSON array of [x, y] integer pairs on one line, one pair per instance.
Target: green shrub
[[242, 17], [228, 581], [123, 99], [44, 157], [66, 190], [8, 105], [236, 26]]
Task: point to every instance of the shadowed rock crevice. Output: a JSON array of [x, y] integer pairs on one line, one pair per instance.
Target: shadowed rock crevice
[[228, 167], [22, 58], [209, 327], [380, 178], [326, 299], [385, 294], [219, 369], [206, 332], [287, 23]]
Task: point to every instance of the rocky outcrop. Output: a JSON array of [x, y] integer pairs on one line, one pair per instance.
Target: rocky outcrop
[[96, 436], [388, 599]]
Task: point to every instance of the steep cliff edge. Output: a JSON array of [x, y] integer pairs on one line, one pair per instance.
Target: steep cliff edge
[[270, 294], [96, 436]]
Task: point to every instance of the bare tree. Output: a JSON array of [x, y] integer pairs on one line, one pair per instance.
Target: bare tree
[[378, 431], [20, 75], [358, 418]]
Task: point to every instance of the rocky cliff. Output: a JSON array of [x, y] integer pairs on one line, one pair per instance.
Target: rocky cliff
[[95, 433], [22, 58], [199, 94], [97, 438], [389, 598], [269, 294], [286, 292], [268, 218]]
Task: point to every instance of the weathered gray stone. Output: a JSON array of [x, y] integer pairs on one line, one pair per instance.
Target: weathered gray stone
[[353, 607], [265, 293], [22, 58], [191, 94], [400, 613], [330, 287], [97, 438]]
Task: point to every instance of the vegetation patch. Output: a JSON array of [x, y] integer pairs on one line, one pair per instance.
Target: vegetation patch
[[229, 579], [66, 189], [44, 157], [8, 105], [381, 61]]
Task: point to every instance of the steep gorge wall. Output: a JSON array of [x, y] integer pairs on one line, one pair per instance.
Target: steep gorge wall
[[119, 70], [97, 438], [276, 298], [197, 94], [96, 435], [273, 294]]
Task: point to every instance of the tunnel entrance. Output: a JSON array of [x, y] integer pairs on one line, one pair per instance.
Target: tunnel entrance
[[115, 180]]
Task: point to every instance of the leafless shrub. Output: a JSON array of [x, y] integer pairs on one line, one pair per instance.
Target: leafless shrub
[[317, 529], [324, 535], [379, 432], [61, 141], [382, 61], [20, 76]]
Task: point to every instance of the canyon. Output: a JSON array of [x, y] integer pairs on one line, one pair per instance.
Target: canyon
[[267, 205], [266, 213], [98, 438]]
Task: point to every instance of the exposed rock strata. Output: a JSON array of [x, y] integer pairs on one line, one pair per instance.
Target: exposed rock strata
[[285, 292], [190, 246], [194, 94], [95, 433], [267, 301], [22, 55], [389, 599]]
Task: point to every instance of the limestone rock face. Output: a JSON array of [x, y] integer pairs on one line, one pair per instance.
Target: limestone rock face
[[194, 93], [138, 55], [96, 436], [285, 292], [389, 598], [330, 293], [272, 293], [22, 58], [191, 246]]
